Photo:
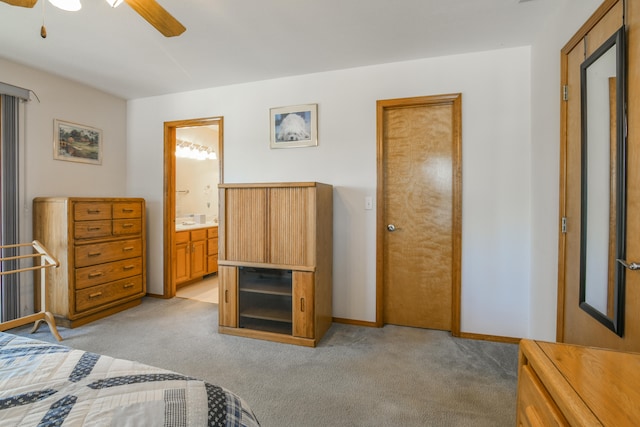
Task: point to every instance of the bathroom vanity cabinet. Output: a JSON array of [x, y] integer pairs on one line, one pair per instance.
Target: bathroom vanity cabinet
[[196, 254], [101, 246], [275, 273], [212, 250]]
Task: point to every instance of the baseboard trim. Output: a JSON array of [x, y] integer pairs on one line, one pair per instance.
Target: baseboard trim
[[156, 296], [468, 335], [483, 337], [355, 322]]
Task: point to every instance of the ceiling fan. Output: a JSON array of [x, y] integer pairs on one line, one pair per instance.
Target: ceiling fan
[[150, 10]]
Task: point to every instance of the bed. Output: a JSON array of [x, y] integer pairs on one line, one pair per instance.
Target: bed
[[51, 385]]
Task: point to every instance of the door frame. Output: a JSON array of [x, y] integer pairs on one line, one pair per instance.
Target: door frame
[[169, 221], [455, 100]]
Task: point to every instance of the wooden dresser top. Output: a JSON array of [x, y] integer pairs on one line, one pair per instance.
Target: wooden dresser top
[[608, 381]]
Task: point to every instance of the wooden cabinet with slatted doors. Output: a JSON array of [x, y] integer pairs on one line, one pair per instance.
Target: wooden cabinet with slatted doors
[[275, 261], [101, 245]]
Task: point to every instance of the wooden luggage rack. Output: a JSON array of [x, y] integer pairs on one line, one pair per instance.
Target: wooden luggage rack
[[46, 261]]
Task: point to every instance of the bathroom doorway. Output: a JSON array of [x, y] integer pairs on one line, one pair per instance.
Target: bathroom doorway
[[191, 204]]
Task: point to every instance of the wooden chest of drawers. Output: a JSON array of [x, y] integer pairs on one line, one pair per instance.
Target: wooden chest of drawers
[[101, 246], [571, 385]]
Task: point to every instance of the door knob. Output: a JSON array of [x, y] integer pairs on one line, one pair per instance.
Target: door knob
[[630, 266], [392, 227]]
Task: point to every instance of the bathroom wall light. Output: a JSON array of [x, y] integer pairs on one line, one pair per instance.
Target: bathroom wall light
[[190, 150]]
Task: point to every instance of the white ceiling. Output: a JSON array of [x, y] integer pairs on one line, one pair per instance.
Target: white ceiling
[[236, 41]]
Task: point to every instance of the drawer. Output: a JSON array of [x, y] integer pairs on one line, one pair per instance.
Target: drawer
[[91, 229], [126, 226], [89, 211], [212, 232], [123, 210], [535, 405], [109, 292], [106, 252], [198, 234], [98, 274], [182, 237], [212, 246]]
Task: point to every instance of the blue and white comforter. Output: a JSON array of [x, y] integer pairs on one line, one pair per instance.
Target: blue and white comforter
[[43, 384]]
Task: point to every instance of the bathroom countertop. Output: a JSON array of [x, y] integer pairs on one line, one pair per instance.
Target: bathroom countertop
[[193, 226]]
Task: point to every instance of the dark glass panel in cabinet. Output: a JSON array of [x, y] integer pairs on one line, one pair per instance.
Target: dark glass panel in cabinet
[[265, 299]]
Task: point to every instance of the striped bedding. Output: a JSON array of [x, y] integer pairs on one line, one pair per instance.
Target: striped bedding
[[43, 384]]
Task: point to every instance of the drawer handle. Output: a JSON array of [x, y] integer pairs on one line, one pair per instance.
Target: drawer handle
[[127, 225], [128, 267], [127, 210], [128, 285], [95, 253], [97, 274], [93, 211], [97, 294], [302, 305], [226, 296], [94, 228], [127, 249]]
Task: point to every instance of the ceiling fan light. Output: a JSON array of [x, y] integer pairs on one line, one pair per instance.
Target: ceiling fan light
[[68, 5], [114, 3]]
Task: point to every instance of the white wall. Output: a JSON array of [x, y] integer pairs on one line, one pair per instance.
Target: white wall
[[197, 180], [545, 161], [496, 101], [511, 131], [59, 98], [197, 188]]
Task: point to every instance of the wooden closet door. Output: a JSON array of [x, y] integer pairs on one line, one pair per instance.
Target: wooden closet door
[[575, 325], [420, 229]]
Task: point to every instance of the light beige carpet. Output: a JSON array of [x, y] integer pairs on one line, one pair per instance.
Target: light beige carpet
[[356, 377], [205, 290]]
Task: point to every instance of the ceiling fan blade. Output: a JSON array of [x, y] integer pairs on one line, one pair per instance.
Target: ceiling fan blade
[[21, 3], [157, 16]]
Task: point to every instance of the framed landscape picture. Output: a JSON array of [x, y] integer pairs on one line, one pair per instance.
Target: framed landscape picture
[[76, 143], [294, 126]]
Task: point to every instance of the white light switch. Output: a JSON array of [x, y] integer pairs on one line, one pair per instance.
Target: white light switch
[[368, 203]]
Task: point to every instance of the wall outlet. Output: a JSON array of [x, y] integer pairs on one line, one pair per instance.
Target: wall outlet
[[368, 203]]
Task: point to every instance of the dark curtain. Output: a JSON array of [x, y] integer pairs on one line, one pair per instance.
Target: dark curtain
[[9, 204]]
